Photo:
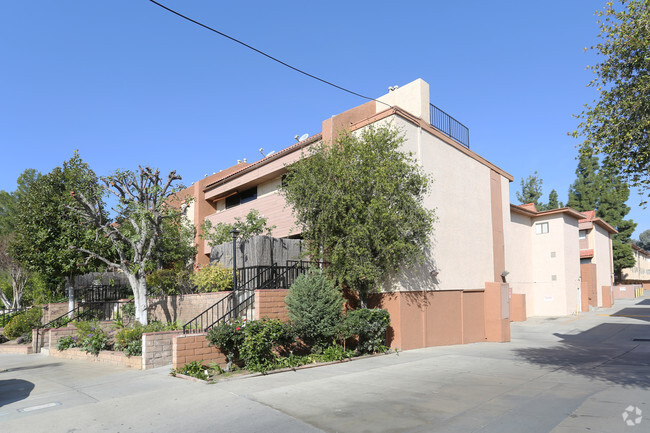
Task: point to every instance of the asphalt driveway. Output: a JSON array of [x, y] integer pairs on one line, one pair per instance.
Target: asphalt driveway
[[580, 373]]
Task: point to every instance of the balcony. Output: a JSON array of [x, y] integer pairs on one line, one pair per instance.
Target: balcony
[[449, 126]]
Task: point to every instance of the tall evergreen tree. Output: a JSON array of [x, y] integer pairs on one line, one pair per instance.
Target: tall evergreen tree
[[585, 191], [531, 191], [553, 202], [605, 192], [644, 240], [612, 208]]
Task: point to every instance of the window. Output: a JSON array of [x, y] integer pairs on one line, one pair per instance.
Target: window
[[541, 228], [582, 234], [241, 197]]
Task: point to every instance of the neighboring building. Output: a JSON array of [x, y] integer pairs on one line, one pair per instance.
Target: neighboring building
[[640, 273], [560, 259], [596, 260]]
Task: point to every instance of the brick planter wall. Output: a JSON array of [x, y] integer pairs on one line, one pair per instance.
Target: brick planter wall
[[194, 347], [157, 348], [182, 308], [105, 357], [270, 303]]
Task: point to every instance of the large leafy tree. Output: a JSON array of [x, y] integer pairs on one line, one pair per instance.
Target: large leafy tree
[[13, 276], [46, 226], [618, 123], [359, 204], [137, 233]]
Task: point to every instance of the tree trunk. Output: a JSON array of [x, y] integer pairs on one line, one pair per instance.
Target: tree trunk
[[139, 287]]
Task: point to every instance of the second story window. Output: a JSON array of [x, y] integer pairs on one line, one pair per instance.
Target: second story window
[[541, 228], [582, 234], [241, 197]]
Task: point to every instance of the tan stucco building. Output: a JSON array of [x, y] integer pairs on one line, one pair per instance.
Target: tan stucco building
[[640, 272], [480, 242], [560, 259]]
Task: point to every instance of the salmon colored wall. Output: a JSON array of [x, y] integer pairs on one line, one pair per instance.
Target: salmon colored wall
[[518, 307], [497, 312], [270, 303], [588, 286], [473, 316], [607, 295], [194, 347], [432, 318]]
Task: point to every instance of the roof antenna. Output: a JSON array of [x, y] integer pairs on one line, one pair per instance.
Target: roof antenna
[[262, 152]]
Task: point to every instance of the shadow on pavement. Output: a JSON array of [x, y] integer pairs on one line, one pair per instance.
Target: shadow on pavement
[[606, 352], [12, 390], [31, 367]]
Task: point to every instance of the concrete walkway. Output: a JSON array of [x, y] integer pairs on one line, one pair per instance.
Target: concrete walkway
[[566, 374]]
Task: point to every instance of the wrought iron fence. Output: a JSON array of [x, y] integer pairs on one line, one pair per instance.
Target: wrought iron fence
[[101, 293], [9, 313], [449, 126], [241, 300]]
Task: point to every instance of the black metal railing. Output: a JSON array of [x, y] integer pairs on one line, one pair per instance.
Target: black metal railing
[[253, 278], [211, 315], [9, 313], [449, 126], [84, 311], [101, 293]]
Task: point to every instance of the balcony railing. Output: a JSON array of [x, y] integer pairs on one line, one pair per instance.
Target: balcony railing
[[446, 124]]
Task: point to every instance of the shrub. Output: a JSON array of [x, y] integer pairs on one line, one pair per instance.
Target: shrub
[[316, 309], [261, 337], [370, 326], [66, 342], [212, 278], [129, 339], [168, 282], [23, 323], [228, 337], [91, 337], [194, 369]]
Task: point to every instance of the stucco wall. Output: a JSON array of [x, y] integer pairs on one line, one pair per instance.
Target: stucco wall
[[519, 262], [545, 267], [461, 196], [603, 259]]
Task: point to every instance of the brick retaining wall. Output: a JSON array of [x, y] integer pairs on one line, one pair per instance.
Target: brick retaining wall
[[194, 347], [157, 348], [105, 357], [270, 303], [182, 308]]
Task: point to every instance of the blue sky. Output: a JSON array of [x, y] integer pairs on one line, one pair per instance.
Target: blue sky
[[128, 83]]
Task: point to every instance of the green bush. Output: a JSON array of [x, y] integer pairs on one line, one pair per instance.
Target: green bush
[[261, 337], [194, 369], [212, 278], [316, 309], [168, 282], [91, 337], [129, 339], [369, 325], [23, 323], [228, 337], [66, 342]]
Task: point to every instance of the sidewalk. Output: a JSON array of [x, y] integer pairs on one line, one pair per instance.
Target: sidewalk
[[576, 373]]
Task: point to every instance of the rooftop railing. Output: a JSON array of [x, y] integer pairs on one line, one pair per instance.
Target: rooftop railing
[[449, 126]]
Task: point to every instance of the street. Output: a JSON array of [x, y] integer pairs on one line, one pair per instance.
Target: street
[[579, 373]]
